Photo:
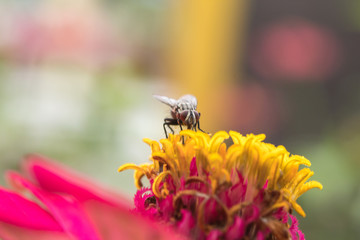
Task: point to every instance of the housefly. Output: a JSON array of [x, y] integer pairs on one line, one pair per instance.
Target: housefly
[[183, 112]]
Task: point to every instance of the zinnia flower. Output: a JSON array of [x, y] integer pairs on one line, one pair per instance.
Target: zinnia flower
[[206, 190], [200, 189]]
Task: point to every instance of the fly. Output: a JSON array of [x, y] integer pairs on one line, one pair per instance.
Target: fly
[[183, 112]]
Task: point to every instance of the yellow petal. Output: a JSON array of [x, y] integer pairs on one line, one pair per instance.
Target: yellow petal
[[310, 185], [217, 140], [130, 166], [157, 181], [298, 209]]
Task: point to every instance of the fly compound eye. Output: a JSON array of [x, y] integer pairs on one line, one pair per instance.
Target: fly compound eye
[[184, 115], [197, 116]]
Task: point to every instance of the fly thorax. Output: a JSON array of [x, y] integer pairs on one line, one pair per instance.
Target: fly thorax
[[183, 106]]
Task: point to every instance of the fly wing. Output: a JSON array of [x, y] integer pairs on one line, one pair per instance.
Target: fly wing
[[190, 99], [168, 101]]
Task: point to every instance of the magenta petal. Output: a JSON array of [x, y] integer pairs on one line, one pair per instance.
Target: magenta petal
[[251, 214], [237, 230], [17, 210], [140, 199], [166, 207], [65, 209], [186, 223], [109, 220], [214, 235], [281, 215], [11, 232], [295, 232], [260, 236], [56, 178], [116, 224], [193, 167]]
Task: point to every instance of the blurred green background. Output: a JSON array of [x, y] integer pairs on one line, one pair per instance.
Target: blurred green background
[[77, 78]]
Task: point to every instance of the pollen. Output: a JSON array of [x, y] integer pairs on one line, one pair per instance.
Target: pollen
[[249, 185]]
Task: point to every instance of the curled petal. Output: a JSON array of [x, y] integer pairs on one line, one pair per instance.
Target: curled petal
[[310, 185], [12, 232], [54, 177], [237, 230], [157, 181], [65, 209], [17, 210]]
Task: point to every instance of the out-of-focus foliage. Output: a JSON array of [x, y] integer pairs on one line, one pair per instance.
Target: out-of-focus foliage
[[76, 79]]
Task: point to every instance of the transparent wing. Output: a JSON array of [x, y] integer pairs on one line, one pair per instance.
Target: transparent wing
[[168, 101], [189, 98]]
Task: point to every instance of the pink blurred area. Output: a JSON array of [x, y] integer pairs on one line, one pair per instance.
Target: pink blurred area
[[295, 49], [65, 33], [253, 108]]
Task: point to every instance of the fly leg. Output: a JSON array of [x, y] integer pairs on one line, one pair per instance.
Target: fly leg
[[180, 126], [168, 122], [198, 126], [182, 138]]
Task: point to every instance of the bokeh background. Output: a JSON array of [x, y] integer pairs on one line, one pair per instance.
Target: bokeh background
[[77, 78]]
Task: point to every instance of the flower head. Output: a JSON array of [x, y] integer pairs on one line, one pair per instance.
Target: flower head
[[208, 190], [200, 189]]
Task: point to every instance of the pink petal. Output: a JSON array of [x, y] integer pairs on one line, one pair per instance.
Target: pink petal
[[236, 194], [237, 230], [251, 214], [260, 236], [214, 235], [295, 232], [193, 168], [166, 207], [101, 220], [186, 223], [282, 215], [65, 209], [56, 178], [107, 220], [116, 224], [140, 199], [11, 232], [17, 210]]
